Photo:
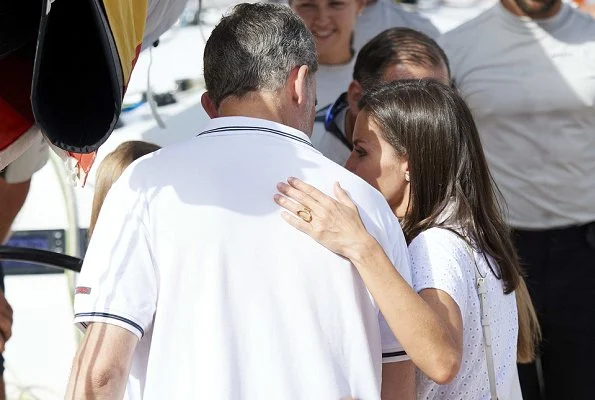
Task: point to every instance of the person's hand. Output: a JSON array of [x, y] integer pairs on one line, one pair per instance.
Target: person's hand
[[5, 321], [336, 224]]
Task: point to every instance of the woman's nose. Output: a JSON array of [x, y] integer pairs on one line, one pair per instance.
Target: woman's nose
[[322, 16], [350, 164]]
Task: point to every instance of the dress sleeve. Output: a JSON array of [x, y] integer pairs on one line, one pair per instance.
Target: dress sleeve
[[438, 261]]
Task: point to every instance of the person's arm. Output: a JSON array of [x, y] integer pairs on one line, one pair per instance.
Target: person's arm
[[5, 321], [398, 381], [13, 197], [116, 294], [101, 366], [432, 342], [431, 332]]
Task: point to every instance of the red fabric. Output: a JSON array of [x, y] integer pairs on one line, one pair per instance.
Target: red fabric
[[16, 115], [12, 125], [137, 54], [84, 164]]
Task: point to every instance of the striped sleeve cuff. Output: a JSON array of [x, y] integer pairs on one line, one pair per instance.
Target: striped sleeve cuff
[[83, 319], [394, 356]]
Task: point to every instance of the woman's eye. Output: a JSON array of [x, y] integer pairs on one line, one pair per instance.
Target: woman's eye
[[336, 4], [359, 151]]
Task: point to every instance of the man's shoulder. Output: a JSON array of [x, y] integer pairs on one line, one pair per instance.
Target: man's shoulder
[[375, 212], [361, 192]]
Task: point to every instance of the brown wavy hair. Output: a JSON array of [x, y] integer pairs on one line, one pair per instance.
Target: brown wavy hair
[[432, 125]]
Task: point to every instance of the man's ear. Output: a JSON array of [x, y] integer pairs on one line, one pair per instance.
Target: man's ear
[[208, 105], [354, 94], [299, 87]]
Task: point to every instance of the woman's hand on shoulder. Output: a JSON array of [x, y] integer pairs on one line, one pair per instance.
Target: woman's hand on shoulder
[[336, 224]]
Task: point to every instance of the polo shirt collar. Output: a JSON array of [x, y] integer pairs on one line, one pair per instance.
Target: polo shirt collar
[[235, 122]]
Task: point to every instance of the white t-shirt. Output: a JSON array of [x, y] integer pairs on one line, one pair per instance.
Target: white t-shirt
[[331, 81], [531, 87], [441, 260], [385, 14], [229, 301]]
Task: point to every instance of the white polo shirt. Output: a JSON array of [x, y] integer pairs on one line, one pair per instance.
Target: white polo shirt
[[531, 87], [190, 254]]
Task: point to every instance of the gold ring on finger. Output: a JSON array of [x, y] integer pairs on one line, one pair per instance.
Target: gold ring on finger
[[305, 214]]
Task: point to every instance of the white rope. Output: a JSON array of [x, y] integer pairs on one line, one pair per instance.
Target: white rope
[[150, 99]]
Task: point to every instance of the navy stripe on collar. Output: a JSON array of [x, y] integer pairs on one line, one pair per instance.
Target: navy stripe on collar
[[256, 128]]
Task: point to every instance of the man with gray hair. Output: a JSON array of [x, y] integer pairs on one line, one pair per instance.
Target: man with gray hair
[[193, 286]]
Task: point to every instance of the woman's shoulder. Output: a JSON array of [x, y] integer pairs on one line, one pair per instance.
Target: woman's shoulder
[[440, 259], [438, 247], [440, 237]]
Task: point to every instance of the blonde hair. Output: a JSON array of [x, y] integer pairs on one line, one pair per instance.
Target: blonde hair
[[529, 330], [110, 170]]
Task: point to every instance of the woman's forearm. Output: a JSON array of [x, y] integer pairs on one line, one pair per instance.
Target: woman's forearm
[[422, 333]]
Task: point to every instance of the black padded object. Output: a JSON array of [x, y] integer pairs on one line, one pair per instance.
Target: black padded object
[[19, 23], [77, 81]]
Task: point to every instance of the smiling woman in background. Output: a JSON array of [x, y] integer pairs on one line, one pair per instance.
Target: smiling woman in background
[[332, 23]]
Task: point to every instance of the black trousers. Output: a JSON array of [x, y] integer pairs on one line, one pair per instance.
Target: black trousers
[[560, 268]]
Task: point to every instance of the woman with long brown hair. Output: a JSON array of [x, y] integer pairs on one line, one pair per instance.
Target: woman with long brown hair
[[416, 142]]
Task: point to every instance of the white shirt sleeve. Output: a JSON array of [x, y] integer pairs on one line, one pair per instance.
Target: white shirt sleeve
[[392, 350], [438, 260], [118, 282]]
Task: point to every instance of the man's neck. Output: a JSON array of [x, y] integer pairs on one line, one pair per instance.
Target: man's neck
[[254, 106], [513, 7]]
